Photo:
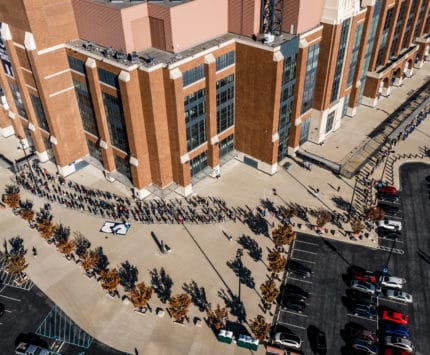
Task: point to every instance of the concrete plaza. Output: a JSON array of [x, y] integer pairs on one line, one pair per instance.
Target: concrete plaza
[[199, 252]]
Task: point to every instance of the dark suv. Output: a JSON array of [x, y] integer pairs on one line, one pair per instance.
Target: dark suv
[[364, 311], [294, 305], [299, 269], [360, 298], [391, 210], [388, 197], [294, 290]]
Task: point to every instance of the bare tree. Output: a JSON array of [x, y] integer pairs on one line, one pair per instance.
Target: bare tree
[[140, 295], [259, 327], [217, 318], [26, 210], [82, 244], [12, 196], [109, 280], [178, 306], [276, 261], [375, 213], [323, 217], [357, 226], [269, 291]]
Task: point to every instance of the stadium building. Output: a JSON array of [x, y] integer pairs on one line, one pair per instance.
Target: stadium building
[[159, 94]]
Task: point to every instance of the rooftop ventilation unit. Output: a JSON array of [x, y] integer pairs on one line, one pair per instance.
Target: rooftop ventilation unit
[[88, 45], [133, 57], [120, 55], [147, 59], [108, 51]]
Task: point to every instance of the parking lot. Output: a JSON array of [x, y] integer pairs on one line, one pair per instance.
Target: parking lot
[[407, 257]]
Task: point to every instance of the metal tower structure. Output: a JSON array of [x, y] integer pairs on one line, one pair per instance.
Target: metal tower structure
[[271, 16]]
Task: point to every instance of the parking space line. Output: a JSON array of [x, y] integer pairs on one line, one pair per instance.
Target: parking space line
[[293, 278], [301, 241], [307, 261], [291, 325], [305, 251], [397, 241], [353, 315], [295, 313], [11, 298], [6, 310]]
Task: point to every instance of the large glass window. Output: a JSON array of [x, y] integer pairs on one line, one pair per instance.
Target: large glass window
[[198, 163], [116, 123], [384, 37], [420, 19], [397, 29], [85, 107], [4, 57], [329, 123], [109, 78], [354, 54], [94, 150], [18, 100], [310, 77], [195, 118], [40, 113], [226, 145], [225, 103], [408, 29], [76, 64], [122, 166], [193, 75], [304, 131], [340, 59], [225, 60]]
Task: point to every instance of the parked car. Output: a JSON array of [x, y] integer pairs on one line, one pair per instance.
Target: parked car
[[299, 269], [389, 190], [364, 311], [362, 345], [293, 289], [395, 317], [397, 295], [397, 330], [388, 197], [393, 282], [355, 330], [297, 306], [359, 297], [288, 297], [398, 342], [320, 343], [362, 286], [389, 224], [367, 277], [390, 351], [288, 340], [388, 233], [390, 210]]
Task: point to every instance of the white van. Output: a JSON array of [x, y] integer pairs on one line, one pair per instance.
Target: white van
[[390, 224]]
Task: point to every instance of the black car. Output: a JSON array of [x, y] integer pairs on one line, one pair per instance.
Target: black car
[[387, 233], [359, 298], [299, 269], [391, 210], [387, 197], [321, 343], [364, 311], [296, 290], [297, 306], [293, 297]]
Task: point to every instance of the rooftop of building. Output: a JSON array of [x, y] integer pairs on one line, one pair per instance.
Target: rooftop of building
[[152, 57], [119, 4]]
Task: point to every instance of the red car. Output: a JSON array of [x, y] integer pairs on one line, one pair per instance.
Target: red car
[[395, 317], [367, 277], [395, 352], [389, 190]]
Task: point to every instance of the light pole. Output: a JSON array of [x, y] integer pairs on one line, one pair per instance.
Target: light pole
[[239, 254]]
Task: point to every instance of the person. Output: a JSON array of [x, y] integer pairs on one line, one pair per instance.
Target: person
[[34, 251], [338, 188]]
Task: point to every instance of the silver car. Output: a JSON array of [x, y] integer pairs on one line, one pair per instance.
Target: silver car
[[397, 295], [400, 343], [393, 282], [288, 340], [362, 286]]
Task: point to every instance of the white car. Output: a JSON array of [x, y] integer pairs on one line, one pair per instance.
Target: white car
[[397, 295], [400, 343], [393, 282], [362, 286], [288, 340], [390, 224]]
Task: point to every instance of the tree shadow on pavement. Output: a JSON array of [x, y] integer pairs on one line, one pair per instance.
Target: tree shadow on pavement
[[341, 203], [197, 294], [232, 302], [257, 224], [242, 272], [253, 248], [162, 284]]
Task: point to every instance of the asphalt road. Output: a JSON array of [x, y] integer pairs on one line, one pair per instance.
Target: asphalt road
[[326, 308]]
